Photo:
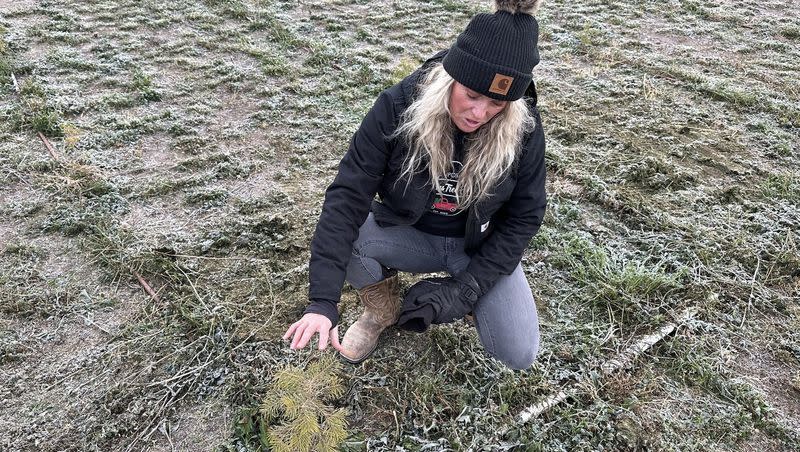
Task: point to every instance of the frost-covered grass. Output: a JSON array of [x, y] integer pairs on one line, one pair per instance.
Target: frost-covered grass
[[194, 143]]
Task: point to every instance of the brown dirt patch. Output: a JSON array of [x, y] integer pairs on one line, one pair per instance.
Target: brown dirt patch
[[160, 216], [200, 427], [772, 377]]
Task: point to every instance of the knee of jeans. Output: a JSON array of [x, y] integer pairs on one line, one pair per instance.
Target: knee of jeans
[[519, 357], [359, 250]]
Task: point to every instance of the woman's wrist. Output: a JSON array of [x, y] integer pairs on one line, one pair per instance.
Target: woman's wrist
[[327, 308]]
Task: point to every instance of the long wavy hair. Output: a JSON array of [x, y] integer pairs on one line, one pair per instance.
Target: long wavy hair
[[489, 152]]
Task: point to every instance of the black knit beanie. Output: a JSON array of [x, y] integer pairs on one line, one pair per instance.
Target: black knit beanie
[[496, 53]]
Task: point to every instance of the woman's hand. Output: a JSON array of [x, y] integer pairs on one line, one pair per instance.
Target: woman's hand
[[304, 329]]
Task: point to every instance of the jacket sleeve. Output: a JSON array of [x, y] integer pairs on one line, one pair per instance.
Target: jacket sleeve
[[347, 203], [518, 220]]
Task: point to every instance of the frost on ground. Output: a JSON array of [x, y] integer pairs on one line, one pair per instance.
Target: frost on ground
[[192, 143]]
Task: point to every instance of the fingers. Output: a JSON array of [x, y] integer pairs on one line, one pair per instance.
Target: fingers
[[307, 334], [302, 332], [298, 335], [291, 330], [323, 339], [335, 339]]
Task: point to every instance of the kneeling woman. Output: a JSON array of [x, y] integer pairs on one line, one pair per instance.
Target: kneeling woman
[[456, 154]]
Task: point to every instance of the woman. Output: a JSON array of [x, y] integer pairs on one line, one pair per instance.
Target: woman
[[456, 154]]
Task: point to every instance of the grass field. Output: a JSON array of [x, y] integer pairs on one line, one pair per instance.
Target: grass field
[[192, 144]]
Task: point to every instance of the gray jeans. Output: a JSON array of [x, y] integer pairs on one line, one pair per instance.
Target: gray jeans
[[505, 317]]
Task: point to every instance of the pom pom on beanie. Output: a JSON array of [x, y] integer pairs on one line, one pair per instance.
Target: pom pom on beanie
[[517, 6]]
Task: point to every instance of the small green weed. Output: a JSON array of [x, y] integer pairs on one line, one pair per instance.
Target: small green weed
[[404, 68], [696, 8], [6, 68], [206, 197], [590, 37], [791, 32], [273, 63], [6, 62], [782, 186], [143, 84], [163, 186], [322, 56], [194, 144], [655, 173], [37, 109], [621, 284], [11, 347]]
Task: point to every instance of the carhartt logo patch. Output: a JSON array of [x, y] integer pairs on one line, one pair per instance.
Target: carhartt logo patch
[[501, 84]]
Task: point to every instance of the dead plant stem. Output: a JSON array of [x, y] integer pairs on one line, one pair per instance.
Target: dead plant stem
[[752, 290], [50, 149], [146, 286], [194, 290]]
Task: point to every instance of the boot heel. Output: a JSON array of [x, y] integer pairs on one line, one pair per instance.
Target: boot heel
[[381, 309]]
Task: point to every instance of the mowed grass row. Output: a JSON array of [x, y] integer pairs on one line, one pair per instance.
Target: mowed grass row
[[194, 140]]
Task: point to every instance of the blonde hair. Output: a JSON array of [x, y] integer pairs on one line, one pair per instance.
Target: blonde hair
[[489, 152]]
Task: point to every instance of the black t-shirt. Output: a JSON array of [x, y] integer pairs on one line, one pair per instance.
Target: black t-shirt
[[445, 217]]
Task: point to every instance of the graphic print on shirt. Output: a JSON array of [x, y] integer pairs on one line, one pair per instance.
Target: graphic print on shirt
[[445, 202]]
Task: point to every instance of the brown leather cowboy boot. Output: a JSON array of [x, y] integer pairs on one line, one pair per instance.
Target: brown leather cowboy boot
[[381, 309]]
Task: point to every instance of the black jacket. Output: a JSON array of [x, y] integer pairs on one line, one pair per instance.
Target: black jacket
[[498, 229]]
